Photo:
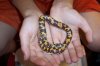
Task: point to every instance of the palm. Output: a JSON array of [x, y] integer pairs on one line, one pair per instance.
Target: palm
[[75, 21], [28, 35], [29, 42]]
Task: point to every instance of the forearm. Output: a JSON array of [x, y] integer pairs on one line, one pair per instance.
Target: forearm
[[27, 7], [63, 3]]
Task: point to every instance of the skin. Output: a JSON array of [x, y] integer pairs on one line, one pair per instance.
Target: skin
[[29, 32], [94, 22], [75, 49]]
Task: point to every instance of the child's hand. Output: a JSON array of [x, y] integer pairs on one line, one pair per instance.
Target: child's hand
[[30, 46], [75, 21]]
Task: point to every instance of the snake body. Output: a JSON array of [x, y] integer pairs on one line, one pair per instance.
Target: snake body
[[44, 44]]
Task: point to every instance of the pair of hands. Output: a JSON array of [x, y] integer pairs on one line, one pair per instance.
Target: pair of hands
[[74, 51]]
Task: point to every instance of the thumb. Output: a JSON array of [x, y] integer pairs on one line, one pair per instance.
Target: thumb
[[87, 30], [25, 41]]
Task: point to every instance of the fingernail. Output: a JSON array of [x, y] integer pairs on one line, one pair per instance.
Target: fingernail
[[75, 59], [84, 53], [80, 55]]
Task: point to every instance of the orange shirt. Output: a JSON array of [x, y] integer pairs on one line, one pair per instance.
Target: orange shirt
[[79, 5], [9, 15], [44, 6], [86, 5]]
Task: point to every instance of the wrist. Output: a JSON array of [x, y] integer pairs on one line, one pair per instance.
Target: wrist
[[63, 3], [30, 13]]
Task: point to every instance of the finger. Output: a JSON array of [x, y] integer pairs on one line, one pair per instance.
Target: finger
[[72, 53], [56, 57], [37, 60], [67, 56], [84, 53], [36, 54], [38, 49], [77, 45], [62, 39], [51, 59], [88, 31], [50, 39], [25, 44], [34, 46], [61, 57], [55, 36], [48, 62], [79, 49]]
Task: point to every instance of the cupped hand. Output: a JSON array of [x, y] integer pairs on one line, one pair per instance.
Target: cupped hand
[[75, 21], [30, 46]]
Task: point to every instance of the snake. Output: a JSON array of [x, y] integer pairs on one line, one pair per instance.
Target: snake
[[43, 42]]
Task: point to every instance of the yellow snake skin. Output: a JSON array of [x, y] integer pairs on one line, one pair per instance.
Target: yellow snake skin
[[44, 44]]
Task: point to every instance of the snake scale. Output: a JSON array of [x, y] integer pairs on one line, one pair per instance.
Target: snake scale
[[44, 44]]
